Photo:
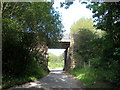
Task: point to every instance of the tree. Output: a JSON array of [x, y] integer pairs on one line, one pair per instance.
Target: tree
[[107, 55], [47, 23], [107, 16], [26, 26], [83, 33], [82, 23]]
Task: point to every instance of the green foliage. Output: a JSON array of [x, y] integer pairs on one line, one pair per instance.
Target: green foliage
[[34, 68], [105, 46], [83, 32], [91, 77], [66, 5], [37, 17], [84, 75], [33, 72], [117, 52], [55, 61], [87, 75], [82, 23], [106, 15], [28, 27]]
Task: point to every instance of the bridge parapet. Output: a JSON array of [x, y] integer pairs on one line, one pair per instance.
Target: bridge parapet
[[62, 44], [65, 40]]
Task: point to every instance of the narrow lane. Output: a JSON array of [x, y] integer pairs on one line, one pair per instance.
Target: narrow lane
[[56, 79]]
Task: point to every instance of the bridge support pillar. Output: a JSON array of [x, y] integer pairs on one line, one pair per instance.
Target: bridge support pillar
[[65, 59]]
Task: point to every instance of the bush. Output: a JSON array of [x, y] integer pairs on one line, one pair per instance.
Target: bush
[[87, 75], [33, 71]]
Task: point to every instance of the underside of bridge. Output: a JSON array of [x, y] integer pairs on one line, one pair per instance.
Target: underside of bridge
[[62, 44]]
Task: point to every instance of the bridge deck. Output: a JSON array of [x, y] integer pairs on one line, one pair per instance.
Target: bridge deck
[[63, 44], [64, 40]]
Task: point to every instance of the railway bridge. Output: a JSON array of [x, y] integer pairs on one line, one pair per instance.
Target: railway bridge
[[63, 44]]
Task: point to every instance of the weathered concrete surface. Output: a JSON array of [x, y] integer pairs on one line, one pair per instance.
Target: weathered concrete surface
[[56, 79]]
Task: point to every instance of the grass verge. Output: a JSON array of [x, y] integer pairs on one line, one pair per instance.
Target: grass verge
[[92, 78], [33, 72], [18, 81]]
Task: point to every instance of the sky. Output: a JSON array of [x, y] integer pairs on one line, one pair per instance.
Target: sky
[[69, 16], [74, 13]]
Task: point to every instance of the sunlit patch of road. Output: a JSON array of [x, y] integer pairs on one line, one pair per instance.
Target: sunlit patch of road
[[57, 78]]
